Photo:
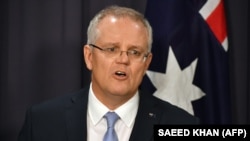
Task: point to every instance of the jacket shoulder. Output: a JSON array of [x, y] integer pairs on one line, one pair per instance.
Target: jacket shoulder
[[60, 102]]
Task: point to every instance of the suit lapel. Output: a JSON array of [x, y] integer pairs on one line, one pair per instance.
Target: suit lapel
[[76, 118], [146, 118], [76, 114]]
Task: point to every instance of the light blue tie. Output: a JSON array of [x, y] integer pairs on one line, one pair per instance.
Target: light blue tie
[[110, 135]]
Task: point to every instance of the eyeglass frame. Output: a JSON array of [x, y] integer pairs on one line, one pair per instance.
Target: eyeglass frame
[[128, 52]]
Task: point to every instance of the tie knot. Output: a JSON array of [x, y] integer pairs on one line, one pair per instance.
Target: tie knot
[[111, 117]]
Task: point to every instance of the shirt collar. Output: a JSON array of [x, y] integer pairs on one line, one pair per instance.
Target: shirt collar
[[97, 110]]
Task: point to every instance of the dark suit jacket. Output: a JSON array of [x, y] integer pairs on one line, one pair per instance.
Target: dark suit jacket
[[64, 118]]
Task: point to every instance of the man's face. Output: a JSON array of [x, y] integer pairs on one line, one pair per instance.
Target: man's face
[[119, 76]]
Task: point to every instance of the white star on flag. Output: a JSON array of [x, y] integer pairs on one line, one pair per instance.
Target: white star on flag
[[175, 86]]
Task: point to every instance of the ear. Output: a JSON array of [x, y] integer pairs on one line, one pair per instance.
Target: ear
[[87, 52], [148, 61]]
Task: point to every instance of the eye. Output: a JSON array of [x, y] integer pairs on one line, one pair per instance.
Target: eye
[[134, 52], [111, 49]]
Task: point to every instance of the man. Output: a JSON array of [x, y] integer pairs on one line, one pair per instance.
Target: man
[[118, 55]]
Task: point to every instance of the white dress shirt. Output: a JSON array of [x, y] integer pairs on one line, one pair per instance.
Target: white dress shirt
[[97, 125]]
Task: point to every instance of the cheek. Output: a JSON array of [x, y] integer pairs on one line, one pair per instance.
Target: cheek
[[100, 66], [139, 72]]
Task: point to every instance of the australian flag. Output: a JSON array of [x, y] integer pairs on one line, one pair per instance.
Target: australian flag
[[190, 66]]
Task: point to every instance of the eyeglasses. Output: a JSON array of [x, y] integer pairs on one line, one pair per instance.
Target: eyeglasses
[[133, 55]]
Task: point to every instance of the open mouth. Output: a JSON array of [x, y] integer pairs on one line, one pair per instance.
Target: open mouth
[[120, 73]]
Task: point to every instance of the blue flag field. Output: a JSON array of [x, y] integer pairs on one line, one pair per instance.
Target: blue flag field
[[190, 57]]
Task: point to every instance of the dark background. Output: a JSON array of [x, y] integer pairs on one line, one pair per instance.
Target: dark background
[[41, 54]]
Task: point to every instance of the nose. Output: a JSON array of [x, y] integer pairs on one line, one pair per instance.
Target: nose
[[125, 53], [123, 57]]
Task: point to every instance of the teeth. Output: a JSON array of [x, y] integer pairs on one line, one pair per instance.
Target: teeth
[[120, 73]]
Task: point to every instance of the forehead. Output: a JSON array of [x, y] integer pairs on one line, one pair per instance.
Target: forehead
[[122, 30]]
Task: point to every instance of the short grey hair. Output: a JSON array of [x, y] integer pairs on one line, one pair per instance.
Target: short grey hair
[[118, 12]]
